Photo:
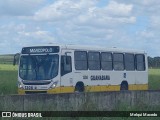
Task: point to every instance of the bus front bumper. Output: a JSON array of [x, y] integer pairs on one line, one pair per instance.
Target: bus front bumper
[[49, 91]]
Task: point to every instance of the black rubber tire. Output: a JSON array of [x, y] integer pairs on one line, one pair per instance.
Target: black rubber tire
[[79, 88], [124, 87]]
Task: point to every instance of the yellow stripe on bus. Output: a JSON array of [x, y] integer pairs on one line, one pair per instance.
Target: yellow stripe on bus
[[102, 88], [138, 87], [70, 89]]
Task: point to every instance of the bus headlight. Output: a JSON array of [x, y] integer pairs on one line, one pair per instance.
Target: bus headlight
[[20, 85], [54, 85]]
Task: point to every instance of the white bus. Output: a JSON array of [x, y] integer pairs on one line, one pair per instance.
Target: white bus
[[70, 68]]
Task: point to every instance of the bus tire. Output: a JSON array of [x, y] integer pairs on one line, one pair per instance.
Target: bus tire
[[79, 87], [124, 85]]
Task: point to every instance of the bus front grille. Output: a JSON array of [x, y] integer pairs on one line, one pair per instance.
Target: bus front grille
[[35, 92]]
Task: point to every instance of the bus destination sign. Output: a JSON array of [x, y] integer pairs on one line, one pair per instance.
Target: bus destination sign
[[40, 50]]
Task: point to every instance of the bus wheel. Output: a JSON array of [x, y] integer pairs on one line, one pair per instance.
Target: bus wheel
[[79, 87], [124, 86]]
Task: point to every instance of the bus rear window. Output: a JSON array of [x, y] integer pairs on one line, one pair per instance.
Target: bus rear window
[[140, 62]]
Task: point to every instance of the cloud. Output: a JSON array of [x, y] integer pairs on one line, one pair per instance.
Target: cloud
[[85, 20], [14, 36], [82, 11], [118, 9], [80, 22], [63, 9], [39, 35], [154, 22], [19, 7], [117, 23]]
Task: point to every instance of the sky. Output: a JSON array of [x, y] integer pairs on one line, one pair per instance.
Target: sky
[[128, 24]]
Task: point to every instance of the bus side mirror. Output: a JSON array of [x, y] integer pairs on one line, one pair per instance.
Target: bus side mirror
[[14, 61], [16, 58]]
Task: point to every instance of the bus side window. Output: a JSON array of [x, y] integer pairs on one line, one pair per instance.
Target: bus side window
[[129, 62], [118, 61], [66, 65], [94, 61], [80, 60], [106, 61]]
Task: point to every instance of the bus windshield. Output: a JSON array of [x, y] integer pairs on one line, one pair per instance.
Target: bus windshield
[[38, 67]]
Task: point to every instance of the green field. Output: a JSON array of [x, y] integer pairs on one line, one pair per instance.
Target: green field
[[8, 79], [6, 59], [8, 85], [154, 79]]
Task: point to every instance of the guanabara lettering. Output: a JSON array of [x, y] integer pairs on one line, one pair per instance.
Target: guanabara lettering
[[100, 77]]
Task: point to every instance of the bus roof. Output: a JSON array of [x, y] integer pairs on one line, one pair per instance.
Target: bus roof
[[92, 48]]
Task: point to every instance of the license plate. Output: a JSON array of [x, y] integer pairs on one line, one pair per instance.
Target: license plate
[[28, 88]]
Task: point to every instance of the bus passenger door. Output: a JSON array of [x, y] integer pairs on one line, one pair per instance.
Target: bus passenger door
[[66, 72]]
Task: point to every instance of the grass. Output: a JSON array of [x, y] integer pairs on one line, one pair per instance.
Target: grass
[[8, 85], [8, 67], [6, 59], [8, 79], [154, 79]]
